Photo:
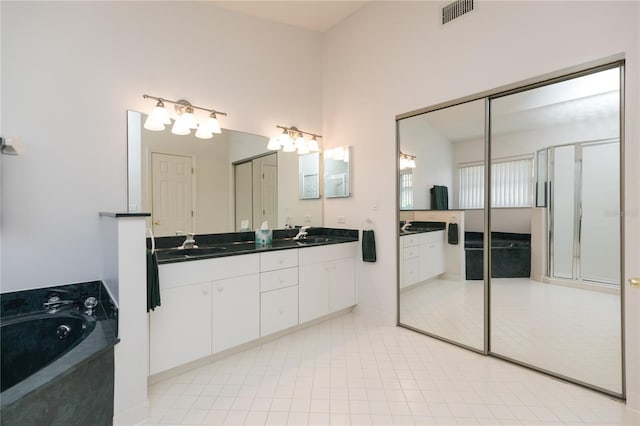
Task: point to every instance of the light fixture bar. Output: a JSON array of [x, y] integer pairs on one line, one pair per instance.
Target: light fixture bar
[[296, 130], [181, 103]]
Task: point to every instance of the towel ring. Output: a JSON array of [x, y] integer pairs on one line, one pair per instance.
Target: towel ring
[[368, 225], [153, 240]]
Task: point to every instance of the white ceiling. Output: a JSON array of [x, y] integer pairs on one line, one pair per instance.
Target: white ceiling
[[311, 15]]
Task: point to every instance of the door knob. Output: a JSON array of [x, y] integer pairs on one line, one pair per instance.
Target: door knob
[[635, 282]]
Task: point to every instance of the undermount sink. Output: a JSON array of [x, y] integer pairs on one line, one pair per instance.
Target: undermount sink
[[314, 240], [199, 251]]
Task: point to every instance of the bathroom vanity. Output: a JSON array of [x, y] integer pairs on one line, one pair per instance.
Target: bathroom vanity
[[244, 292], [422, 253]]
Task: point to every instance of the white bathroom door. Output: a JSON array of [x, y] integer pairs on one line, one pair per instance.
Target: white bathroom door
[[171, 194]]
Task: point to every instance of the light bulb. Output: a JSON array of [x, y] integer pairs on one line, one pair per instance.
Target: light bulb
[[300, 142], [273, 144], [188, 118], [313, 145], [154, 125], [179, 128], [285, 139], [303, 150], [403, 163], [328, 154], [290, 147], [160, 114], [212, 123], [411, 163], [346, 155], [203, 132], [338, 153]]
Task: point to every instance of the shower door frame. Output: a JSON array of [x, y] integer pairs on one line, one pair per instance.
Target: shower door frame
[[576, 267]]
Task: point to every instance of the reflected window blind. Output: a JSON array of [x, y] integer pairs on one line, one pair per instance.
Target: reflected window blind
[[511, 184], [406, 189]]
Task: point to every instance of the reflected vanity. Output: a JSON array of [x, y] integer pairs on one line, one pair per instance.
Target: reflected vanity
[[192, 185], [546, 294]]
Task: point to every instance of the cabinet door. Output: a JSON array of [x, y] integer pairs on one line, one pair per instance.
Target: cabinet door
[[343, 284], [314, 291], [236, 311], [180, 329], [409, 274], [278, 310], [431, 255]]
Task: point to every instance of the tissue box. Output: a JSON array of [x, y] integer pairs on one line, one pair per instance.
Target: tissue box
[[264, 237]]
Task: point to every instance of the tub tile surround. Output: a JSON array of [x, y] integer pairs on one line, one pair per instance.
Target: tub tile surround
[[85, 369]]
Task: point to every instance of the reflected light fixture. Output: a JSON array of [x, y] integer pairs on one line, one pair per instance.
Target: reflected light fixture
[[407, 161], [301, 145], [185, 120]]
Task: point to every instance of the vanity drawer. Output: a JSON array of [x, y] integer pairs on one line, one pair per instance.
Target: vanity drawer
[[431, 237], [410, 240], [280, 278], [278, 260], [278, 310]]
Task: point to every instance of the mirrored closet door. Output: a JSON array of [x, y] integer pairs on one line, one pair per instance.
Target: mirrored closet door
[[509, 225], [555, 262], [441, 290]]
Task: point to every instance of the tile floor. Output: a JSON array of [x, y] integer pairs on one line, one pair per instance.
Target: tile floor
[[571, 331], [353, 371]]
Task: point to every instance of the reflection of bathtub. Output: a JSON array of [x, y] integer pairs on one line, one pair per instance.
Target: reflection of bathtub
[[510, 255]]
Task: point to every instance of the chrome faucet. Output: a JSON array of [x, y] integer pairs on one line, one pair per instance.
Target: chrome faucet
[[54, 304], [406, 225], [189, 242], [302, 233]]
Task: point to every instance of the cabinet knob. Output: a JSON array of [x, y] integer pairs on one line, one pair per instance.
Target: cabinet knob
[[635, 282], [205, 292], [281, 311], [220, 289], [156, 223], [280, 261]]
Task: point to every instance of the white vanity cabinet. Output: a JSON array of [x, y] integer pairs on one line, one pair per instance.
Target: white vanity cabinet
[[278, 291], [422, 257], [432, 262], [180, 329], [236, 311], [326, 280], [410, 256], [206, 306]]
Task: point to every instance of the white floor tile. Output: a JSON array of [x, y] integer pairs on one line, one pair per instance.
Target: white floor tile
[[352, 371]]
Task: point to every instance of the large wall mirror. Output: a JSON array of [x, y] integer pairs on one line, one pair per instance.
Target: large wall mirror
[[214, 185], [549, 286]]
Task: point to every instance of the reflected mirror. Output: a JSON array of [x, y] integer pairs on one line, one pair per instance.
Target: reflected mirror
[[441, 287], [309, 176], [337, 172], [189, 184]]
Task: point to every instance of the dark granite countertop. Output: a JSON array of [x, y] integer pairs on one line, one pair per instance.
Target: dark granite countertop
[[237, 243], [421, 227]]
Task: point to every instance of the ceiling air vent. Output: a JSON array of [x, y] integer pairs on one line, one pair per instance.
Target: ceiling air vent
[[456, 9]]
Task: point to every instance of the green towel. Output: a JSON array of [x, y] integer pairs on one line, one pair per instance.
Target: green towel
[[439, 198], [368, 246], [153, 281]]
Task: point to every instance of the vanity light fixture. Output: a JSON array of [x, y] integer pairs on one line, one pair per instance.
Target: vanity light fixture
[[407, 161], [288, 144], [186, 119]]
